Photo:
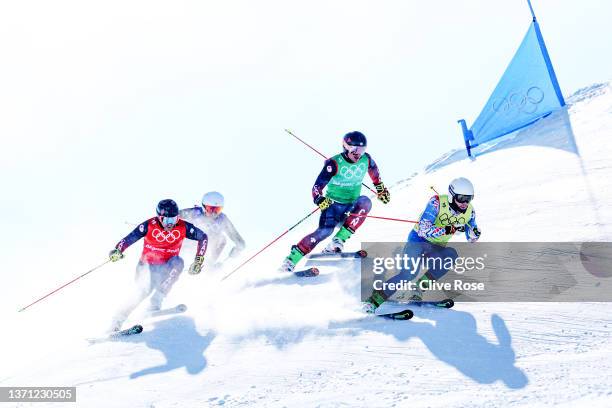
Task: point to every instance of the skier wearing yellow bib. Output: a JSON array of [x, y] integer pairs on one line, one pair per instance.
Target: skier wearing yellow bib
[[443, 217], [342, 201]]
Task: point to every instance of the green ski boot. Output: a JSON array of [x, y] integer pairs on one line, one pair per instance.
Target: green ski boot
[[336, 245], [291, 260], [376, 299]]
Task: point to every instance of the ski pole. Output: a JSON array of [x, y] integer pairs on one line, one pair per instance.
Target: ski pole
[[63, 286], [383, 218], [264, 248], [322, 155]]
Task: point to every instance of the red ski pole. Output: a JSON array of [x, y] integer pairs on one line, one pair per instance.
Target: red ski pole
[[273, 241], [64, 285], [322, 155], [384, 218]]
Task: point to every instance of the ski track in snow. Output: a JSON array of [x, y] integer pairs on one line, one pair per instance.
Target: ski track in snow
[[264, 339]]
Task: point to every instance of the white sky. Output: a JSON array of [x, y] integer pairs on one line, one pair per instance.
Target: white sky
[[108, 107]]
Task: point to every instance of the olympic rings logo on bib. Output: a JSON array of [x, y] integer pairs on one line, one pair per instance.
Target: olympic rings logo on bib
[[166, 236], [452, 220], [350, 172]]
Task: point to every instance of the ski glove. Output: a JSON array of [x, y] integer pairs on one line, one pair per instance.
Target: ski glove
[[323, 202], [382, 193], [196, 266], [474, 234], [115, 255]]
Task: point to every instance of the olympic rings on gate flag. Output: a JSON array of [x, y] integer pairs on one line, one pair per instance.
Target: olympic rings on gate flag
[[517, 102], [166, 236]]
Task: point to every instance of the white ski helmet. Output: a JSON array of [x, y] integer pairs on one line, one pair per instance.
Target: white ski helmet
[[213, 199], [461, 189]]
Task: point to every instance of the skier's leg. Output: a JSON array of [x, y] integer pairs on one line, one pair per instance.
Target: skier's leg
[[142, 289], [414, 248], [438, 270], [328, 219], [214, 251], [358, 210], [327, 222], [168, 275], [305, 246], [436, 258]]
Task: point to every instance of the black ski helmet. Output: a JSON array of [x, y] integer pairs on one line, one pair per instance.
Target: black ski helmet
[[355, 139], [167, 208]]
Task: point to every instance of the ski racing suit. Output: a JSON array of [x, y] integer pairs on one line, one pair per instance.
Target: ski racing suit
[[160, 265], [429, 237], [343, 180], [218, 229]]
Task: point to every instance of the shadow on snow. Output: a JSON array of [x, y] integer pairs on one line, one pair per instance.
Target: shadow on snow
[[180, 343], [454, 340]]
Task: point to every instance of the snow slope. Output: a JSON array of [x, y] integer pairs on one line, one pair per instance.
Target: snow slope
[[264, 339]]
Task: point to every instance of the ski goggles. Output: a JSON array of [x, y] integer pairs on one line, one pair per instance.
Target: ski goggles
[[212, 209], [168, 221], [463, 198], [358, 150]]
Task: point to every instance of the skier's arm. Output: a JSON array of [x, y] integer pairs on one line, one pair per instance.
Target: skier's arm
[[139, 232], [382, 193], [472, 232], [189, 214], [196, 234], [234, 235], [330, 168], [373, 170], [427, 229]]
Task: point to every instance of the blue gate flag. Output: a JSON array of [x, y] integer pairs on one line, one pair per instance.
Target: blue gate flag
[[527, 91]]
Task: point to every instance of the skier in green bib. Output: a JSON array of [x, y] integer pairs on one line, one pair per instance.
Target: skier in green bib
[[341, 202], [442, 218]]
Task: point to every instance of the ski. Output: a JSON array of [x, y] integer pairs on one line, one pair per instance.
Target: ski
[[406, 314], [395, 313], [180, 308], [334, 255], [307, 273], [446, 303], [136, 329]]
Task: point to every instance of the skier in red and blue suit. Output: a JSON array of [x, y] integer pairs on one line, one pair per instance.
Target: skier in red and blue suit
[[163, 238], [341, 202]]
